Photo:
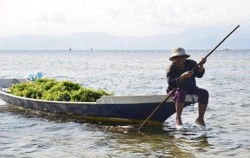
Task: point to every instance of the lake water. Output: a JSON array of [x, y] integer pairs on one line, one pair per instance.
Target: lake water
[[129, 73]]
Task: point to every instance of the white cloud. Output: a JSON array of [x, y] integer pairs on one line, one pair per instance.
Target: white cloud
[[118, 17]]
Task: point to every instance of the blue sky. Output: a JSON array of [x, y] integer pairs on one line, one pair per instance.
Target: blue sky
[[119, 17]]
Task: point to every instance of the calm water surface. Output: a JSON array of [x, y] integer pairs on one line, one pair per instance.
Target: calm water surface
[[24, 134]]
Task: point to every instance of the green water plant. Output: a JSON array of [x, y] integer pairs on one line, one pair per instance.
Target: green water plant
[[51, 89]]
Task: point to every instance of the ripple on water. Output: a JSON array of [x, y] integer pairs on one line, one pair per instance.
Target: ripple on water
[[129, 73]]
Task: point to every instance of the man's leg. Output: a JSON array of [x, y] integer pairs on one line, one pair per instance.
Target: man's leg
[[202, 105], [179, 107], [202, 110], [179, 99]]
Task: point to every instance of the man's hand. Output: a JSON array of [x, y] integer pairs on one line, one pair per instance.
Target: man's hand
[[203, 61], [186, 75]]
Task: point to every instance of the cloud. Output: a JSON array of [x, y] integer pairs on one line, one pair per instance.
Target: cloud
[[118, 17]]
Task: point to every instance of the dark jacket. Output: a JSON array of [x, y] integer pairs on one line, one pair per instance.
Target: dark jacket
[[173, 72]]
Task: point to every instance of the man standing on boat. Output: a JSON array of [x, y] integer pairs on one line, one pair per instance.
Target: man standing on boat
[[181, 77]]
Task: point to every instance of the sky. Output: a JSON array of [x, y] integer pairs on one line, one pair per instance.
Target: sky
[[134, 18]]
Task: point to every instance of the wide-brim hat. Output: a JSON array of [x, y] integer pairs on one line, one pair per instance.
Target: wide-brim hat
[[178, 52]]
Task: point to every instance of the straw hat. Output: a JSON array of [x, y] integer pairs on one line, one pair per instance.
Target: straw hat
[[178, 52]]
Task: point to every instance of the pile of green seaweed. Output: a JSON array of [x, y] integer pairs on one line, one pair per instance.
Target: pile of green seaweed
[[51, 89]]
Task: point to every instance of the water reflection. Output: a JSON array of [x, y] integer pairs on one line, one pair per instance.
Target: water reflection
[[149, 142], [125, 141], [129, 73]]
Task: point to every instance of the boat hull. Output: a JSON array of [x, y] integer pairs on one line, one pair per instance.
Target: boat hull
[[103, 112]]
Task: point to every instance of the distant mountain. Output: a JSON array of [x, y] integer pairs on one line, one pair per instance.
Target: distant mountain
[[190, 39]]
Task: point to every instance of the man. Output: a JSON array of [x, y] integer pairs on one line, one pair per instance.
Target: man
[[181, 76]]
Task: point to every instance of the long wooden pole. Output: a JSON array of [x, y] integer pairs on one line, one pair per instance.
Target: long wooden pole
[[217, 46], [171, 92]]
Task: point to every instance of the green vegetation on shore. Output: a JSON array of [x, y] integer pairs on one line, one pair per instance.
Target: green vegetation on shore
[[51, 89]]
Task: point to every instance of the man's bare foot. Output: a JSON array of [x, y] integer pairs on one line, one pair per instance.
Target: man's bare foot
[[201, 123], [179, 125], [178, 122]]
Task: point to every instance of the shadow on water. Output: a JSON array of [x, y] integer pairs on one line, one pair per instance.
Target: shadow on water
[[161, 142], [126, 140]]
